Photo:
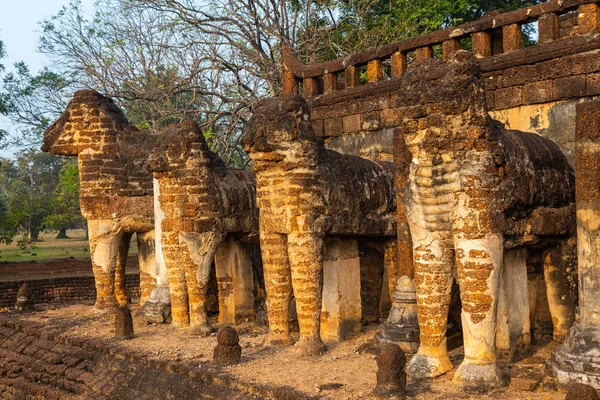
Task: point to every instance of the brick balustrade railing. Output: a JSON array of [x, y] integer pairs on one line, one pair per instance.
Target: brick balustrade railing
[[497, 39]]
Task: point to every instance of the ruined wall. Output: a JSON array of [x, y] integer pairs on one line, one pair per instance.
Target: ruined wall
[[68, 289], [539, 97], [40, 362], [355, 101]]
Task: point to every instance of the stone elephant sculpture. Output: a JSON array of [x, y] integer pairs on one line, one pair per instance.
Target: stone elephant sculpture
[[478, 198]]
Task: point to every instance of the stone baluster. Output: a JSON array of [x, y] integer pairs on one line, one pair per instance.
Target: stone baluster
[[290, 85], [548, 28], [311, 87], [398, 63], [374, 70], [482, 44], [449, 47], [352, 76], [424, 52], [329, 83]]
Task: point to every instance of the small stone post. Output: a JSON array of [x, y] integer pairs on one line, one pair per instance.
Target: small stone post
[[578, 358], [24, 300], [579, 391], [123, 323], [391, 378], [228, 350]]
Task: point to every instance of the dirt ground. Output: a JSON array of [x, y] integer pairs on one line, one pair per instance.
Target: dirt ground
[[346, 371]]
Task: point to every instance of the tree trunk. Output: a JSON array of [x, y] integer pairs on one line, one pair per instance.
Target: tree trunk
[[62, 233], [33, 234]]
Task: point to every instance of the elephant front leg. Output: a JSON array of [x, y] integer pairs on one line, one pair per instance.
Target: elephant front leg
[[104, 248], [199, 255], [306, 263], [148, 264], [560, 274], [175, 264], [433, 282], [121, 262], [480, 262], [278, 284]]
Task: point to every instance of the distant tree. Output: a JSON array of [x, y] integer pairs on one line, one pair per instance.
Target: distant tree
[[3, 110], [157, 72], [356, 25], [28, 184], [64, 206], [33, 102], [8, 228]]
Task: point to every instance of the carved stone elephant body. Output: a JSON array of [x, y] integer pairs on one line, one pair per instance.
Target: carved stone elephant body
[[477, 196], [305, 192], [203, 201], [116, 190]]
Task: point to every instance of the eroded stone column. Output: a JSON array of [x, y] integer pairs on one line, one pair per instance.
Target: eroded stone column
[[158, 306], [236, 282], [341, 306], [578, 358], [513, 323], [402, 325]]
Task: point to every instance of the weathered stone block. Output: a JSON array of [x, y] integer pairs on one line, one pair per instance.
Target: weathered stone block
[[310, 87], [318, 126], [398, 64], [228, 350], [424, 52], [517, 75], [351, 123], [334, 127], [571, 86], [551, 69], [391, 117], [236, 282], [370, 121], [329, 83], [374, 70], [592, 84], [508, 97], [449, 47], [538, 92], [341, 309], [482, 44], [585, 63], [588, 20]]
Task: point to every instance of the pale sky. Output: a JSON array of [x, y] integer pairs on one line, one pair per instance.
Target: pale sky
[[19, 30]]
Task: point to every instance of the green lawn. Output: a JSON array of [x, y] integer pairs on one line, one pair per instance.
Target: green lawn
[[50, 248]]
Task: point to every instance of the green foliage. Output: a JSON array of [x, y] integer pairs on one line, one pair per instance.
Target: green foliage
[[8, 228], [33, 102], [2, 101], [356, 25], [64, 205], [28, 184]]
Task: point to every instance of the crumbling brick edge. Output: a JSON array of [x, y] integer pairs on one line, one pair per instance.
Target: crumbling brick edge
[[208, 372]]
